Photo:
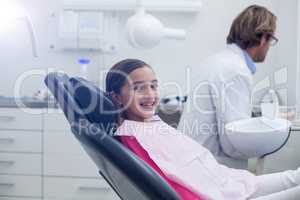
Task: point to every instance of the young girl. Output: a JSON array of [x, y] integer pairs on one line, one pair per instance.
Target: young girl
[[133, 86]]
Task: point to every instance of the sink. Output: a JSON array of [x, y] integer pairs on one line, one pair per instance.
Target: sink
[[258, 136]]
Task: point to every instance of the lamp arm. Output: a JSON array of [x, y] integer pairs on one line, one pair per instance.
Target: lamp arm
[[32, 35], [177, 34], [139, 7], [139, 3]]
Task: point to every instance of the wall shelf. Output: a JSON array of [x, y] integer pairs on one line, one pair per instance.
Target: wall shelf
[[189, 6]]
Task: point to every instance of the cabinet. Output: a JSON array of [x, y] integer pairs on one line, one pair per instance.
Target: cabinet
[[41, 159], [20, 154]]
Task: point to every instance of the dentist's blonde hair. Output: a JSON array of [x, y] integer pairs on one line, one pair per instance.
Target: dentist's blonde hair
[[251, 25]]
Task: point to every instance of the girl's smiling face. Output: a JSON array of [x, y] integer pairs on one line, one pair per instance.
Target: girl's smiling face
[[139, 96]]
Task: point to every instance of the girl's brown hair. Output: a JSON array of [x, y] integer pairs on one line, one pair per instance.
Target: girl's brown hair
[[118, 74]]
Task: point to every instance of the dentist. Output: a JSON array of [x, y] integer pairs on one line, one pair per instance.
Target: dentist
[[225, 94]]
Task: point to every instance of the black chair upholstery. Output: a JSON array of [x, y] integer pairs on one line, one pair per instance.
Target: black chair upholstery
[[95, 104], [129, 176]]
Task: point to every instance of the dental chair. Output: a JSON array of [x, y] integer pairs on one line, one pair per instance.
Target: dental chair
[[92, 117]]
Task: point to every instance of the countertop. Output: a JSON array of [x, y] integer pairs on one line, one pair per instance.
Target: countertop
[[26, 102], [34, 103], [296, 125]]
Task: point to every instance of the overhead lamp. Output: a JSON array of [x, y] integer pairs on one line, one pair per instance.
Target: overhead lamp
[[10, 12], [146, 31]]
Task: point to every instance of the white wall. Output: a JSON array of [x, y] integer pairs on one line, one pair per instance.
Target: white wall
[[206, 34], [298, 58], [284, 54], [16, 57]]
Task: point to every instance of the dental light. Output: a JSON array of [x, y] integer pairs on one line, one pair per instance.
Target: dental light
[[146, 31], [10, 11]]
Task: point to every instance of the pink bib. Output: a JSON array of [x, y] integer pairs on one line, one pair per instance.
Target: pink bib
[[132, 144]]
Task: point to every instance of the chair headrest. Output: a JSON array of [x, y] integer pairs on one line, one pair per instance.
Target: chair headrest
[[95, 104]]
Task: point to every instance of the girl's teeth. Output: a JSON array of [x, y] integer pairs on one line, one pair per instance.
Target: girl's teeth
[[147, 104]]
